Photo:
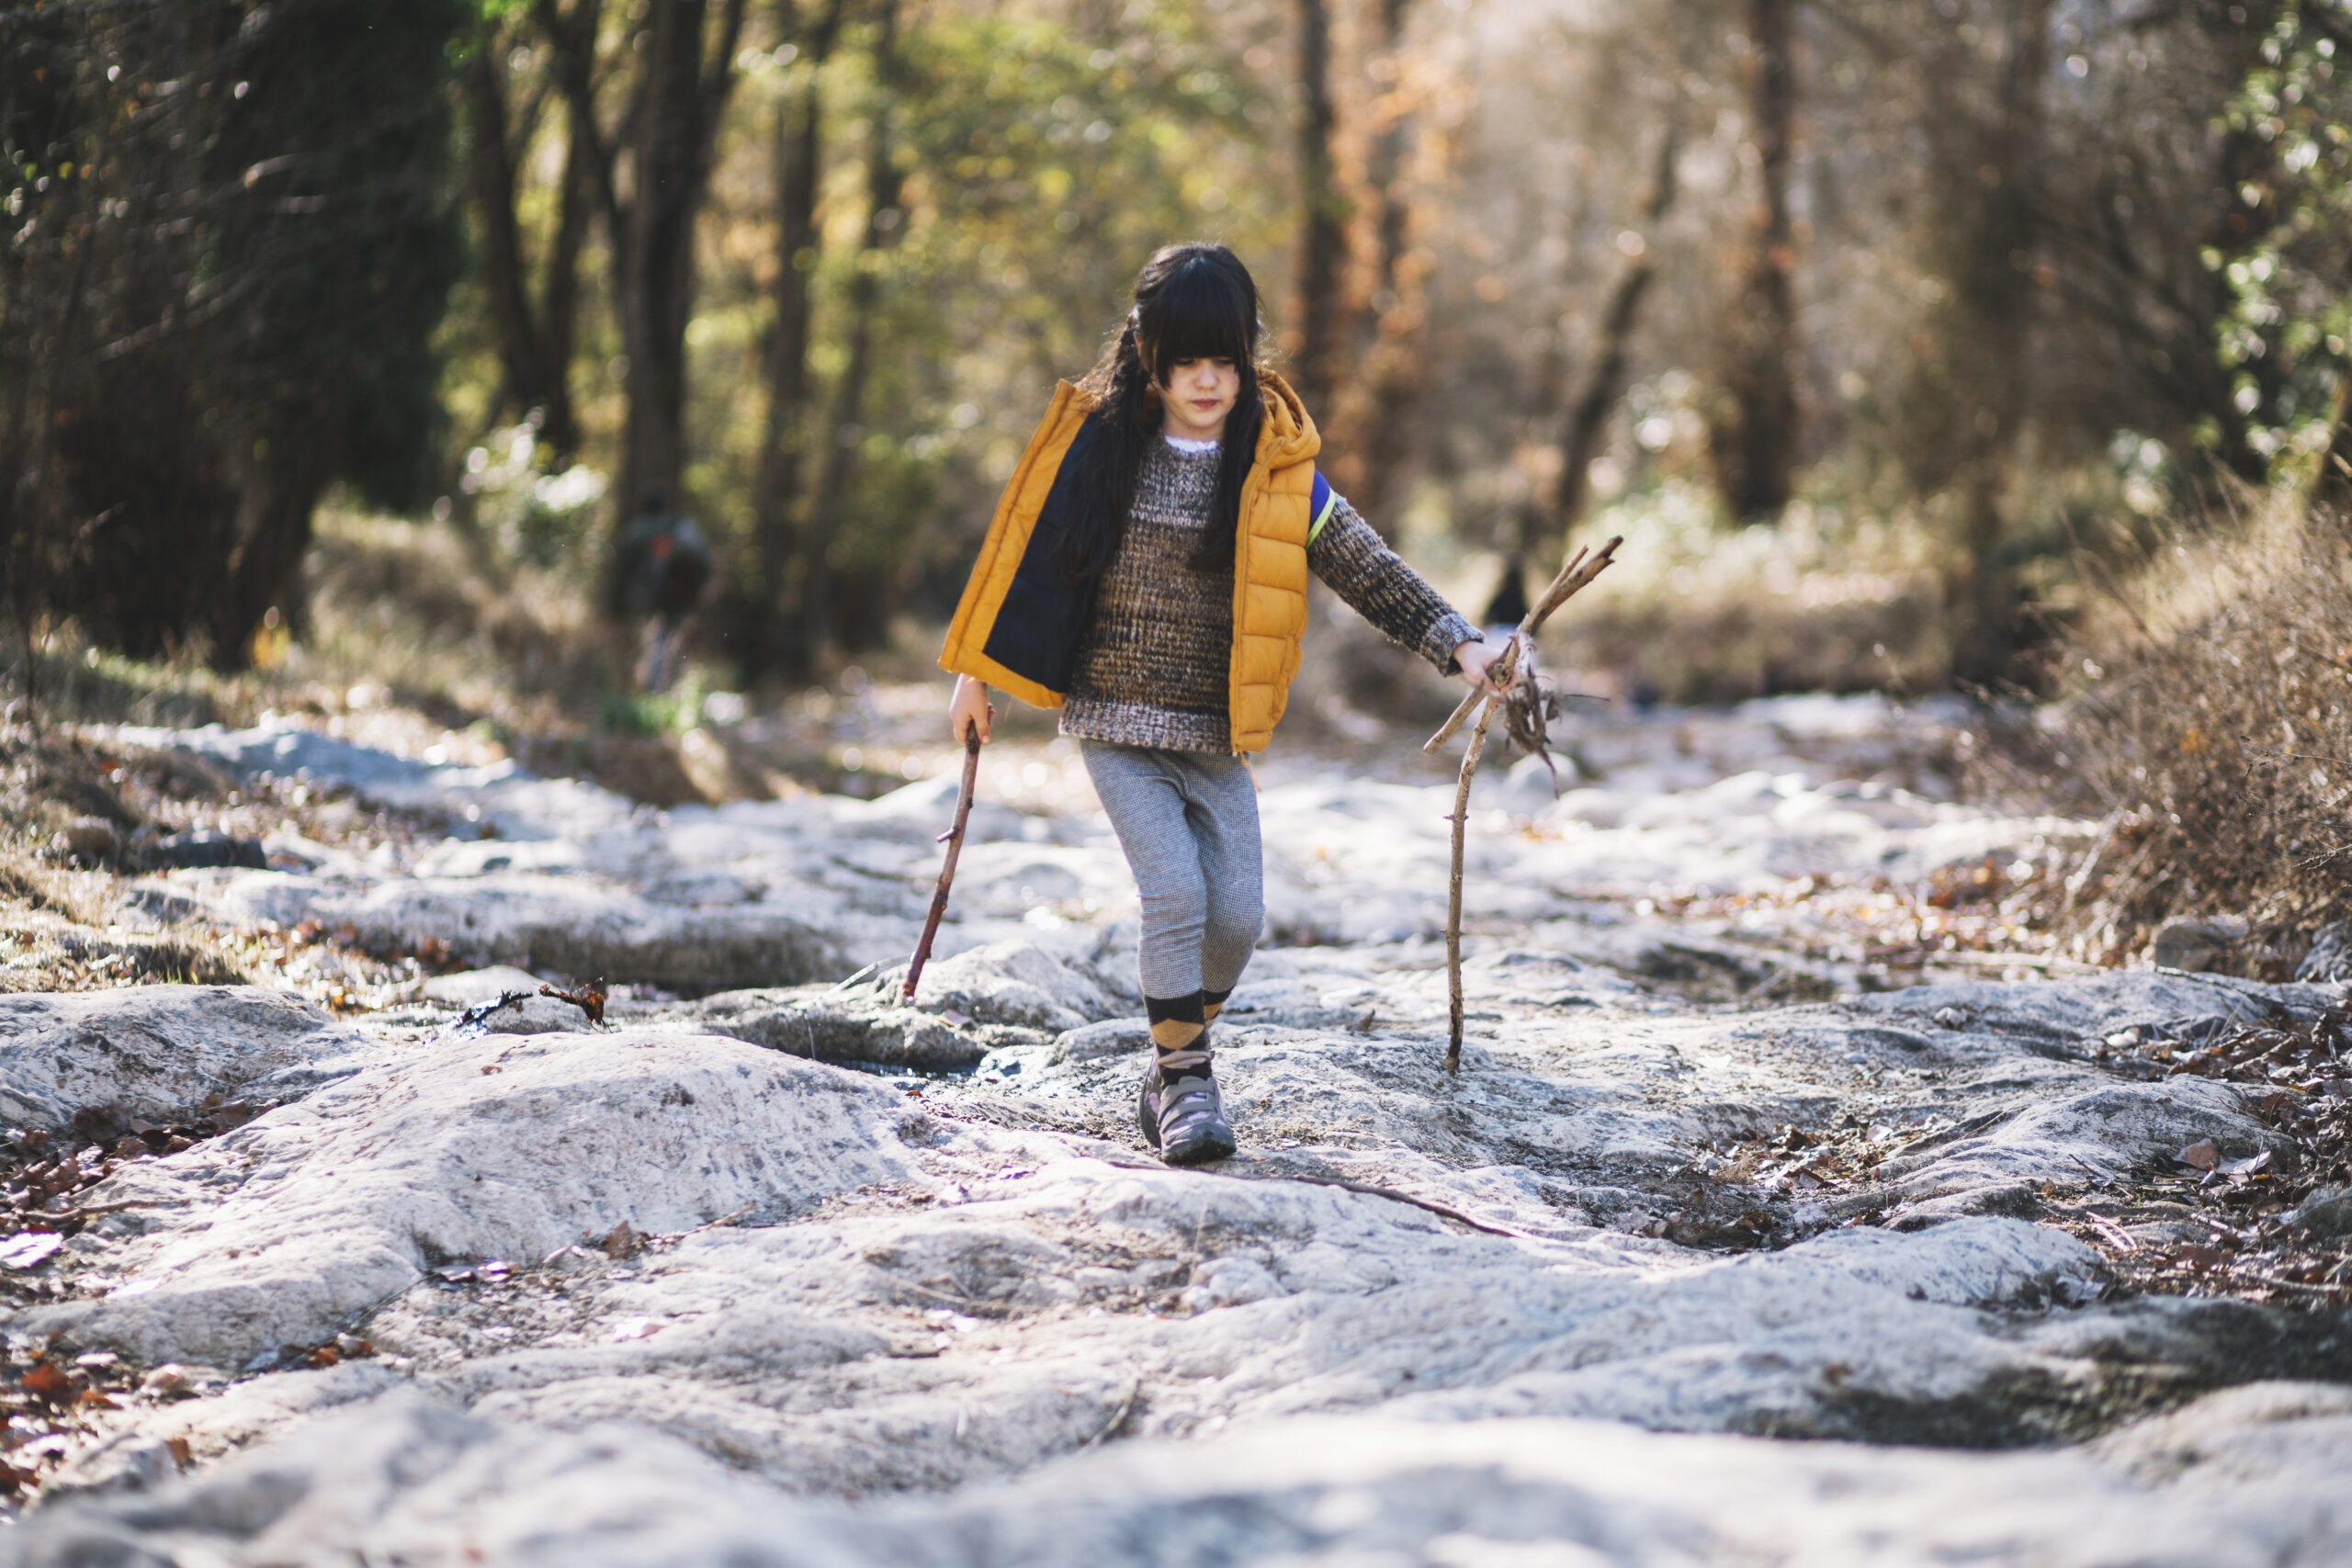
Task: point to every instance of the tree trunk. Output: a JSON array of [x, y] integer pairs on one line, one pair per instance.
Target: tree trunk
[[1992, 343], [560, 301], [1753, 440], [534, 343], [657, 256], [1587, 433], [770, 641], [1323, 213], [884, 222], [280, 495], [1376, 442], [687, 71]]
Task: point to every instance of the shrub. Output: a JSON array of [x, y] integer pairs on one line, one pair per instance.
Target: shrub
[[2211, 728]]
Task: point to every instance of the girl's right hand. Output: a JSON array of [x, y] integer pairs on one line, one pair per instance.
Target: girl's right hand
[[969, 709]]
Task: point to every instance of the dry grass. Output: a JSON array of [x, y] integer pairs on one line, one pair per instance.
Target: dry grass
[[2207, 722]]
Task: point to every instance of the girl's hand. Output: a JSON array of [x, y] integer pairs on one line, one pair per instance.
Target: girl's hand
[[969, 709], [1474, 658]]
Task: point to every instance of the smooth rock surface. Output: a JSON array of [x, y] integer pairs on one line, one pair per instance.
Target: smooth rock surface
[[672, 1290], [2246, 1479], [154, 1052]]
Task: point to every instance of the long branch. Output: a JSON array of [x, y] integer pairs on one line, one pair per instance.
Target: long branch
[[1453, 887]]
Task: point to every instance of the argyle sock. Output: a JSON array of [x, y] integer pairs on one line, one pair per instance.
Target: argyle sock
[[1213, 1003], [1179, 1028]]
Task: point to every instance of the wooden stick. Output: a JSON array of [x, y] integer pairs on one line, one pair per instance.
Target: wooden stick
[[1573, 577], [1453, 887], [1572, 580], [954, 839]]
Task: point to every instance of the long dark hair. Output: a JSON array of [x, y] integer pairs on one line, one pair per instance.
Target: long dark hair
[[1193, 301]]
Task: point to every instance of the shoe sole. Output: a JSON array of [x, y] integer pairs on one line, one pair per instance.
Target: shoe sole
[[1203, 1152]]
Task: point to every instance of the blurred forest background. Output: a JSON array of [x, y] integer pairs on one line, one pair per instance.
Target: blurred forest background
[[1900, 336]]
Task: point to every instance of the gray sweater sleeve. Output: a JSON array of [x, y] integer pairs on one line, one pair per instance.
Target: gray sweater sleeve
[[1380, 587]]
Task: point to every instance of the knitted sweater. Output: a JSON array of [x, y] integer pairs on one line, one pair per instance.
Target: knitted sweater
[[1153, 668]]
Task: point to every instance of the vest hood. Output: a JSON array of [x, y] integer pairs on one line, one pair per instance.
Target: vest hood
[[1287, 435]]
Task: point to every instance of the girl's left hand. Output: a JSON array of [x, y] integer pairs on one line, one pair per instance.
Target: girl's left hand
[[1474, 658]]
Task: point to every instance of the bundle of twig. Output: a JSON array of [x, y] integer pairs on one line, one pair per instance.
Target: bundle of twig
[[1528, 715]]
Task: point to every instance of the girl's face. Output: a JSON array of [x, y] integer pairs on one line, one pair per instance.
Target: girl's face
[[1199, 394]]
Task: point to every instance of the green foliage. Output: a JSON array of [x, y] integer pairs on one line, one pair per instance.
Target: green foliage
[[651, 714], [2284, 338], [1041, 169]]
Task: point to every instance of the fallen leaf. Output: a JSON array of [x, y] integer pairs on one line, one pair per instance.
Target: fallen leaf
[[2201, 1155], [46, 1381]]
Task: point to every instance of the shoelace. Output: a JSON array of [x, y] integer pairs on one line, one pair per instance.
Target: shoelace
[[1173, 1063]]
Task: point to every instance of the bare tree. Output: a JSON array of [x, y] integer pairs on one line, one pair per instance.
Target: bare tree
[[534, 336], [685, 69], [1323, 218], [1378, 414], [1586, 435], [1990, 179], [885, 225], [797, 157], [1754, 438]]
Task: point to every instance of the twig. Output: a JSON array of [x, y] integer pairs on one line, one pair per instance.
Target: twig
[[2112, 1231], [90, 1211], [1367, 1188], [715, 1224], [589, 998], [954, 839], [1574, 577], [1461, 820], [1962, 955], [475, 1015], [1118, 1416]]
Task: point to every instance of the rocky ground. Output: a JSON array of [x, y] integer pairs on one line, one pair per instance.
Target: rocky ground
[[1801, 1199]]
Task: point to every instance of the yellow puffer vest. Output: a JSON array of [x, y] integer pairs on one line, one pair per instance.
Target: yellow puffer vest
[[1018, 626]]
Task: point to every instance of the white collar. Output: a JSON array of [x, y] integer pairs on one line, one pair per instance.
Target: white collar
[[1187, 445]]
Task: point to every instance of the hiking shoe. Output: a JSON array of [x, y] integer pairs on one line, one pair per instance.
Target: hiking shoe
[[1183, 1119]]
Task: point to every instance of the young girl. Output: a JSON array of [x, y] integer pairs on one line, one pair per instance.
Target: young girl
[[1145, 574]]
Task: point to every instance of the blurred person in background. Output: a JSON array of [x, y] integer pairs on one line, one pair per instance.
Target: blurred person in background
[[666, 564]]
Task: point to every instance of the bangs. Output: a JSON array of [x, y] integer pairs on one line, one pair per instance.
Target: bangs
[[1204, 311]]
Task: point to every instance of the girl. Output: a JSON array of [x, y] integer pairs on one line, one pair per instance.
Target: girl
[[1145, 574]]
